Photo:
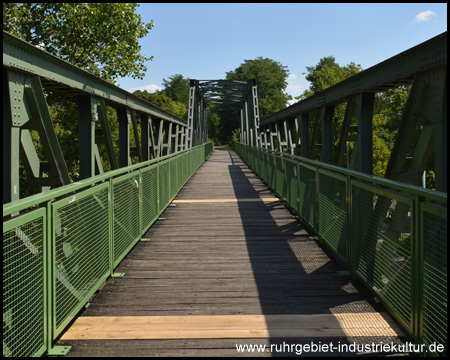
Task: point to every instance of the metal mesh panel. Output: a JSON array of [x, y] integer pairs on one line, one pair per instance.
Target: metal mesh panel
[[435, 279], [382, 248], [279, 187], [272, 171], [23, 288], [307, 194], [164, 183], [292, 183], [333, 217], [81, 250], [126, 215], [173, 178], [149, 196]]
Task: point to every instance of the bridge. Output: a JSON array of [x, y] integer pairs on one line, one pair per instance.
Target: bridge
[[181, 248]]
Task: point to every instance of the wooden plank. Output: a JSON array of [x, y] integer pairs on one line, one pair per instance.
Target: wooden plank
[[235, 200], [232, 326], [229, 248]]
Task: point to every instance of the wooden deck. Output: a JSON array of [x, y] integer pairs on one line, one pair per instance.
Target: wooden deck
[[228, 265]]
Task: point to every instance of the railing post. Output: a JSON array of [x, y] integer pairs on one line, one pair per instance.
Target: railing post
[[417, 275]]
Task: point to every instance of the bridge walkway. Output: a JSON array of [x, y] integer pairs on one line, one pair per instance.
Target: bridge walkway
[[227, 265]]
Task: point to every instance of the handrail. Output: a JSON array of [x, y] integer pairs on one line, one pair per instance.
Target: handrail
[[396, 185], [57, 255], [390, 236]]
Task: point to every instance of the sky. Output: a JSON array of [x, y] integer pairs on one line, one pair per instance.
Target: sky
[[204, 41]]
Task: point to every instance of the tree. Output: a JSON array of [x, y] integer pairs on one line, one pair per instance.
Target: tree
[[163, 101], [271, 78], [101, 38], [327, 73], [177, 88]]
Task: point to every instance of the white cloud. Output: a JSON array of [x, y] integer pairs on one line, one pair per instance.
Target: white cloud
[[149, 88], [425, 15], [294, 90], [292, 77]]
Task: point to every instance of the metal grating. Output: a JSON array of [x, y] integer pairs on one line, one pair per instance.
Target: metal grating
[[149, 196], [292, 188], [280, 183], [164, 185], [307, 194], [126, 215], [333, 216], [173, 178], [81, 232], [23, 287], [383, 248], [435, 278]]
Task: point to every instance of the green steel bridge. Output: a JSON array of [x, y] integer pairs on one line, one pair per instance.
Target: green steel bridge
[[68, 241]]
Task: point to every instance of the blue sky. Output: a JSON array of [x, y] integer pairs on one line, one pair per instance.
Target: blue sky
[[203, 41]]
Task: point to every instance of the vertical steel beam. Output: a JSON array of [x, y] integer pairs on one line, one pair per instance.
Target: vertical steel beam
[[439, 80], [124, 137], [145, 137], [241, 135], [86, 139], [205, 123], [176, 137], [326, 116], [183, 137], [313, 147], [278, 127], [247, 130], [344, 133], [255, 107], [11, 143], [364, 114], [304, 134], [297, 138], [288, 126], [169, 139], [131, 115], [190, 127], [159, 146], [265, 130]]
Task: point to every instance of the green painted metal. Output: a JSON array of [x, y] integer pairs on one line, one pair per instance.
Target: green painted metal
[[393, 72], [425, 67], [29, 59], [390, 235], [28, 71], [67, 247], [86, 120]]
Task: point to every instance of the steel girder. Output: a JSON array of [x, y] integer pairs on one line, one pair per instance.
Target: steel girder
[[230, 93], [297, 128], [29, 71]]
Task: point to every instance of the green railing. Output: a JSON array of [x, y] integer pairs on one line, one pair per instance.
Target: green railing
[[60, 246], [389, 235]]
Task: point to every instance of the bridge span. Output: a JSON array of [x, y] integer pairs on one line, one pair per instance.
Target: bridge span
[[229, 265], [162, 246]]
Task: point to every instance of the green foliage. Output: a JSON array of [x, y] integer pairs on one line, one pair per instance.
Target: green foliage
[[327, 73], [177, 88], [271, 78], [102, 38], [163, 101], [98, 37]]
